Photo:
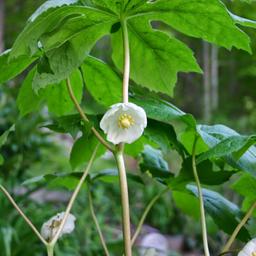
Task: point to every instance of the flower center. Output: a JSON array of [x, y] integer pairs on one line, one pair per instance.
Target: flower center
[[125, 121], [253, 254]]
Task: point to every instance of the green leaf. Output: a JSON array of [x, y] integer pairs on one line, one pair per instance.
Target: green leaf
[[212, 135], [162, 111], [67, 124], [50, 4], [246, 186], [102, 82], [112, 176], [209, 20], [1, 160], [58, 98], [153, 162], [51, 17], [187, 203], [163, 135], [28, 101], [4, 136], [222, 210], [226, 147], [82, 150], [156, 57], [12, 68], [208, 174]]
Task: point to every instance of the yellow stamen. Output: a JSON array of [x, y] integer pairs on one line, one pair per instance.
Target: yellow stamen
[[125, 121], [253, 254]]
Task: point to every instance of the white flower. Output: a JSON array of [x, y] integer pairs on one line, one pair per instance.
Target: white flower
[[124, 122], [249, 249], [50, 228]]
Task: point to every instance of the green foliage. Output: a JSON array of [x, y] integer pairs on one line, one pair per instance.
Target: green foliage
[[222, 210], [59, 41]]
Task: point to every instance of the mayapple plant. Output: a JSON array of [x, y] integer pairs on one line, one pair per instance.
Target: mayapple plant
[[56, 45]]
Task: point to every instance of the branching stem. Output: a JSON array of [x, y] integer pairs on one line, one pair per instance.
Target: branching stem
[[23, 215], [73, 198], [201, 201], [84, 117], [238, 228]]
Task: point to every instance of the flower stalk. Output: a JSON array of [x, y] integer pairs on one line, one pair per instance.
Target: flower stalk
[[201, 200], [125, 201], [126, 67], [238, 228]]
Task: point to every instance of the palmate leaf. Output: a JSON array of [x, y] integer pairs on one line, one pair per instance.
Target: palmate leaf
[[209, 20], [66, 30], [156, 57]]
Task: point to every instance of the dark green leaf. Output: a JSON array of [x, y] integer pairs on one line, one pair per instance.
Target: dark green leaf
[[82, 150], [58, 98], [222, 210], [226, 147], [163, 111], [28, 101], [12, 68], [212, 135], [153, 162]]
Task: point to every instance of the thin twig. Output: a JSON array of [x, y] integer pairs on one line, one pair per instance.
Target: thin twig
[[145, 213], [73, 197], [238, 228], [84, 117], [23, 215], [201, 201], [97, 223]]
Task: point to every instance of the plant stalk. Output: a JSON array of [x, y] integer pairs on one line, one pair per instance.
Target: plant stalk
[[126, 66], [201, 201], [238, 228], [84, 117], [28, 221], [125, 203], [73, 198], [97, 223], [50, 250]]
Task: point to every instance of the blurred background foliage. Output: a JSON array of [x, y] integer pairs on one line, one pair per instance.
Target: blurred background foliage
[[230, 77]]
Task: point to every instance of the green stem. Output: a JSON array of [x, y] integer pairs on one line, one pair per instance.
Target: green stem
[[50, 250], [73, 198], [201, 201], [145, 213], [23, 215], [238, 228], [97, 223], [84, 117], [125, 202], [126, 67]]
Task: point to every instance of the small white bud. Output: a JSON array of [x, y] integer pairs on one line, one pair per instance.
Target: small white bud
[[50, 228]]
